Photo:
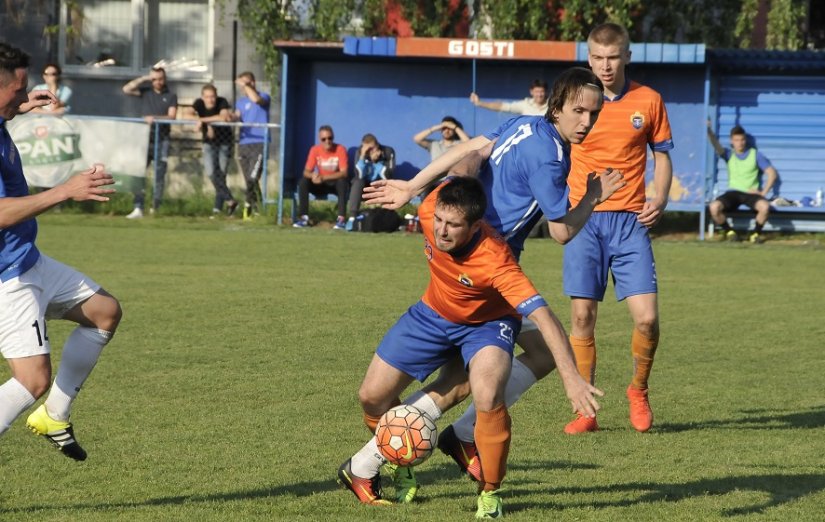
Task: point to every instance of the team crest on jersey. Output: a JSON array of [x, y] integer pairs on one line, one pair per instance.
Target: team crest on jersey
[[465, 280], [428, 250], [637, 119]]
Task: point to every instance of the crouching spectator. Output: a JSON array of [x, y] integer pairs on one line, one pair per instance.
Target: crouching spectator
[[325, 173]]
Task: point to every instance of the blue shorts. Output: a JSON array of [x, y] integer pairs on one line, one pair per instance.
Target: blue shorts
[[614, 241], [422, 341]]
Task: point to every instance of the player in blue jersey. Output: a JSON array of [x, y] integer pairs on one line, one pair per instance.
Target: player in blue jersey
[[523, 166], [34, 287]]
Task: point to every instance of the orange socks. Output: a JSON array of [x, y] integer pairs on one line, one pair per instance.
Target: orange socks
[[643, 350], [492, 434], [372, 422], [584, 348]]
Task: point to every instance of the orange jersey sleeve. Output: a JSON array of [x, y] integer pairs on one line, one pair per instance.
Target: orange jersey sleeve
[[620, 139], [484, 284]]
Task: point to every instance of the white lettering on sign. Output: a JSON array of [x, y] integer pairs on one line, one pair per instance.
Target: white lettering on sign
[[481, 49]]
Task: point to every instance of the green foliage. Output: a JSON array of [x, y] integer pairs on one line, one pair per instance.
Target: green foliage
[[745, 21], [230, 390], [330, 17], [785, 20], [432, 18], [264, 21], [580, 16], [517, 19], [707, 21]]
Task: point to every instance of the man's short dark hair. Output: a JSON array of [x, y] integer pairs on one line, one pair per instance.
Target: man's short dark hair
[[12, 58], [568, 85], [159, 69], [209, 87], [452, 120], [538, 83], [247, 74], [738, 130], [465, 194]]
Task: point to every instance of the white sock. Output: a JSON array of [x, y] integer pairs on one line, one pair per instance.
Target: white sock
[[521, 379], [368, 461], [14, 400], [80, 354], [425, 403]]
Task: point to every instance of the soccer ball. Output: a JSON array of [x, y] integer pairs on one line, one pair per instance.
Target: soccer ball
[[406, 435]]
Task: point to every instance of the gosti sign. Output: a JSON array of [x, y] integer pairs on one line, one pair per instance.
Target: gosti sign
[[486, 49]]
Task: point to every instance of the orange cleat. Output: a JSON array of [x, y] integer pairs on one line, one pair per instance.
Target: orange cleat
[[581, 424], [463, 453], [366, 490], [641, 417]]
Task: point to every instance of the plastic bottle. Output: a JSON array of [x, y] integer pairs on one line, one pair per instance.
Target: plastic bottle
[[818, 199]]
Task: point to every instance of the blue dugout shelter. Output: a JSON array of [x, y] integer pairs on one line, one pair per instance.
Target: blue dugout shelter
[[394, 87]]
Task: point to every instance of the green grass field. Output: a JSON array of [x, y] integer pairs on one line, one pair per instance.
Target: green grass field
[[229, 392]]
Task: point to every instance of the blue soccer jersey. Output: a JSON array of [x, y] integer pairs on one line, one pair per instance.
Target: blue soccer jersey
[[17, 250], [525, 177]]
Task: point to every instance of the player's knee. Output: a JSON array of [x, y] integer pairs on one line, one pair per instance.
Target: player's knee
[[371, 403], [584, 319], [111, 315], [648, 325], [37, 383], [487, 401]]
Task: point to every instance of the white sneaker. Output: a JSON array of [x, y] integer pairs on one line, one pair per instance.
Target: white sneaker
[[135, 214]]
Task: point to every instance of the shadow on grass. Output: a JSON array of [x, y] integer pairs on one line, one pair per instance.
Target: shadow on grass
[[780, 489], [811, 418]]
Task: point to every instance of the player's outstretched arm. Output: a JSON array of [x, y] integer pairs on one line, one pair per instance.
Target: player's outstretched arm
[[394, 194], [599, 189], [90, 184], [580, 392]]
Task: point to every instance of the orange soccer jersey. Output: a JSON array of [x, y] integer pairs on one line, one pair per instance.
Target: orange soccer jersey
[[484, 284], [619, 140]]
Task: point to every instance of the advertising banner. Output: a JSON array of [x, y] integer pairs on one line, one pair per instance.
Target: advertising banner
[[54, 148]]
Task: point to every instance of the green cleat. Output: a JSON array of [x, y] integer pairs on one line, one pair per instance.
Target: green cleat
[[490, 505], [60, 434], [406, 485]]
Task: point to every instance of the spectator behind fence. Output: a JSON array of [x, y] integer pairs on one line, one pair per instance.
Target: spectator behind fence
[[52, 74], [745, 163], [534, 105], [252, 107], [325, 173], [373, 161], [157, 101], [217, 144]]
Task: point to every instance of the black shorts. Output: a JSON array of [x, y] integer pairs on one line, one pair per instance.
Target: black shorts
[[733, 198]]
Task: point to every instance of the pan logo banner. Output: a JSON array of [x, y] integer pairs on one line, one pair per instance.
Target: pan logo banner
[[54, 148]]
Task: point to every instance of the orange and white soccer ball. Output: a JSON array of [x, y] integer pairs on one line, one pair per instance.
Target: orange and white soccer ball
[[406, 435]]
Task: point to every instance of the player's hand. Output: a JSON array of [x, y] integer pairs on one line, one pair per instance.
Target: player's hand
[[89, 185], [601, 186], [652, 213], [38, 98], [582, 396], [389, 193]]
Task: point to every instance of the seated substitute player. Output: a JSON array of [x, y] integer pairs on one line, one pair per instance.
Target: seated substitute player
[[34, 287], [524, 167], [472, 308], [744, 166]]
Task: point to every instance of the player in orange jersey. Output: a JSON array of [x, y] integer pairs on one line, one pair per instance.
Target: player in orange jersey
[[470, 312], [616, 237]]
